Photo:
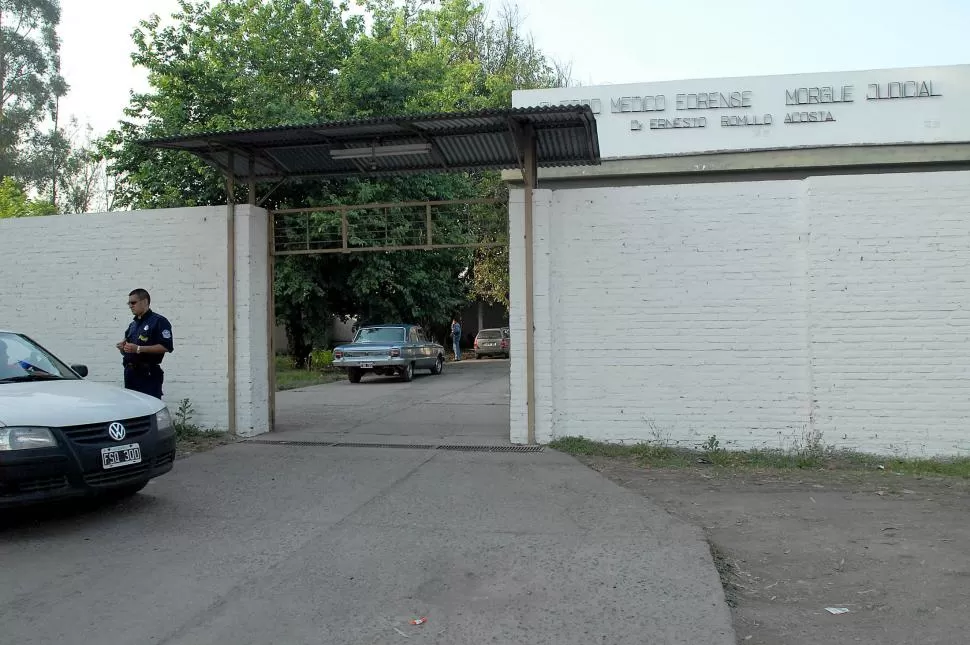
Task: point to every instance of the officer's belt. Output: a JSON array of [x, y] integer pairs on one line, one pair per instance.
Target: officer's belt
[[140, 367]]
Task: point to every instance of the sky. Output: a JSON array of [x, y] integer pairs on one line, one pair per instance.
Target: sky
[[606, 42]]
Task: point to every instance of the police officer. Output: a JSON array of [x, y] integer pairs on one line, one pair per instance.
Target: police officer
[[147, 340]]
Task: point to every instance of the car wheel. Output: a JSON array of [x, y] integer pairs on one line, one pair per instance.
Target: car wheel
[[408, 373], [353, 375], [439, 364]]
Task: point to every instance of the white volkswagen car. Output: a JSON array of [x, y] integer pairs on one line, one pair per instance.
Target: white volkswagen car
[[63, 436]]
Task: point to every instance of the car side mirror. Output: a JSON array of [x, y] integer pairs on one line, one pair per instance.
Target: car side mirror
[[80, 369]]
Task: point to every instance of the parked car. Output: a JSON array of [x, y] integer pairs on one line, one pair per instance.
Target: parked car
[[493, 342], [387, 350], [63, 436]]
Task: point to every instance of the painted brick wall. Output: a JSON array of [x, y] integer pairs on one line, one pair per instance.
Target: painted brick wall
[[64, 280], [668, 310], [759, 312], [890, 303]]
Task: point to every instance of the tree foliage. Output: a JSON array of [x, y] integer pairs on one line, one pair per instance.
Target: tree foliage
[[258, 63], [30, 82], [15, 203]]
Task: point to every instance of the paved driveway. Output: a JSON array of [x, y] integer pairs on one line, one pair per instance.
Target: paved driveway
[[253, 544], [467, 404]]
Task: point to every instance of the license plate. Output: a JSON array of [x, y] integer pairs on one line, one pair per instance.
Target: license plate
[[367, 366], [116, 456]]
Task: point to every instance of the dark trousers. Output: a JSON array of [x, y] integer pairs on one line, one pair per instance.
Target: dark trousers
[[146, 379]]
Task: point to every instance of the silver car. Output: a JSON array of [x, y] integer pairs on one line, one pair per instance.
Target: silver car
[[493, 342], [387, 350]]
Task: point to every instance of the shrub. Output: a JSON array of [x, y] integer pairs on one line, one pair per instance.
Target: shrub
[[321, 358]]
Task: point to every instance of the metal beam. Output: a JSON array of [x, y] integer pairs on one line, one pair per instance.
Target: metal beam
[[363, 171], [397, 247], [231, 294], [377, 205], [528, 146], [271, 319]]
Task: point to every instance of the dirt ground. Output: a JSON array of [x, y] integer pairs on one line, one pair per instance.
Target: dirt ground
[[892, 549]]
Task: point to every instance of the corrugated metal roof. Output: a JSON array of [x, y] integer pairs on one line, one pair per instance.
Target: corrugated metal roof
[[460, 141]]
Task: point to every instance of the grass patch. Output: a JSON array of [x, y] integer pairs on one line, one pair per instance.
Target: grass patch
[[289, 377], [948, 468], [648, 453], [813, 456]]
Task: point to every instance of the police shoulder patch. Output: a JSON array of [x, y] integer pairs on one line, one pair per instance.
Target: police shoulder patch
[[166, 334]]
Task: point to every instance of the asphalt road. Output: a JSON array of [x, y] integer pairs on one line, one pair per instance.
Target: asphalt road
[[468, 403], [292, 544]]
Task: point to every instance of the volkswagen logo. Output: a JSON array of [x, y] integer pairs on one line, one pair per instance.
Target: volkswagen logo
[[116, 431]]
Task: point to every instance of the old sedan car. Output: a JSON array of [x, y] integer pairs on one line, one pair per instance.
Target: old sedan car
[[63, 436], [493, 342], [387, 350]]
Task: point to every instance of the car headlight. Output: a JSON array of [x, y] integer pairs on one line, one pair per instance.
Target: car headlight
[[163, 421], [14, 438]]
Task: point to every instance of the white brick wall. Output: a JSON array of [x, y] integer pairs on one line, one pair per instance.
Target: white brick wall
[[890, 301], [743, 310], [65, 281]]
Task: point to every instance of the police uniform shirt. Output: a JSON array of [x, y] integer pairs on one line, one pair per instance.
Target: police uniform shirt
[[150, 329]]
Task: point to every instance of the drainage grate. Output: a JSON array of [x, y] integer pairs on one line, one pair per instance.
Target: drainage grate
[[412, 446], [351, 444], [270, 442], [492, 448]]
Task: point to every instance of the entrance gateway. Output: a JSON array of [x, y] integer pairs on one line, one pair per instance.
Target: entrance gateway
[[493, 139], [769, 261]]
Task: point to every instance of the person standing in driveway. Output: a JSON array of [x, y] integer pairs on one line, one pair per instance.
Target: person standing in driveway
[[456, 338], [147, 340]]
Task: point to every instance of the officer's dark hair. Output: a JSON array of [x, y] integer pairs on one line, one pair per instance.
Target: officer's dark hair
[[141, 294]]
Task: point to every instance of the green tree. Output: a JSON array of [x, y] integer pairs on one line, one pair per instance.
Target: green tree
[[15, 203], [257, 63], [228, 65], [30, 82]]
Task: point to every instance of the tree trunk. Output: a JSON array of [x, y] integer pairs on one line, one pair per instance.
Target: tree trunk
[[300, 348]]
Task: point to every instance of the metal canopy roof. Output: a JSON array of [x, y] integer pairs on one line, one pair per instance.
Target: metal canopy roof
[[440, 142]]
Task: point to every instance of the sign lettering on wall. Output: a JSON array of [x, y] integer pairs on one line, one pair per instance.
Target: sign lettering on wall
[[901, 90], [819, 95], [713, 100], [921, 105]]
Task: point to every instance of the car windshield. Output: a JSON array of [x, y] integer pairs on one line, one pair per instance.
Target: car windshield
[[490, 333], [380, 335], [21, 359]]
